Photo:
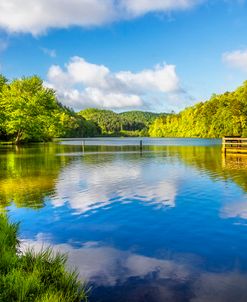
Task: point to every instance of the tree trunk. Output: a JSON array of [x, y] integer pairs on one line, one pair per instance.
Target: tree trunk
[[18, 137]]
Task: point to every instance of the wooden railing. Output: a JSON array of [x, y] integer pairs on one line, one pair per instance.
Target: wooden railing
[[101, 141], [234, 145]]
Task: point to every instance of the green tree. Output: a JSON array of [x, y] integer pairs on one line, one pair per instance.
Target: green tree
[[30, 110]]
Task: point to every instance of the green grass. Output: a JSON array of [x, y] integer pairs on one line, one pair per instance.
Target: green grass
[[34, 277]]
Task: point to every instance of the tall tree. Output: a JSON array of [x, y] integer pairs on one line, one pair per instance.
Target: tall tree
[[30, 111]]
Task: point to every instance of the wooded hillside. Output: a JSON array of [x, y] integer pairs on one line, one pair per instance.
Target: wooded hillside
[[222, 115]]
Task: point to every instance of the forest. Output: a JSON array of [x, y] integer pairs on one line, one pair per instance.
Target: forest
[[222, 115], [130, 123], [31, 112]]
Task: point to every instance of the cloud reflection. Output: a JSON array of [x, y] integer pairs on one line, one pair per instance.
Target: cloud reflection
[[108, 266], [90, 187], [112, 272], [235, 209]]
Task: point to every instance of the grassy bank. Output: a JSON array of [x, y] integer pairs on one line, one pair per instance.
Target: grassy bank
[[34, 277]]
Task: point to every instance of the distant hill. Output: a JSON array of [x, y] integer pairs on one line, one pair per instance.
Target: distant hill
[[143, 117], [130, 123], [222, 115], [107, 120]]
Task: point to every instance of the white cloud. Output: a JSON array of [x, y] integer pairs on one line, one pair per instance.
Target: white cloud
[[236, 59], [162, 78], [50, 52], [141, 7], [82, 84], [37, 16]]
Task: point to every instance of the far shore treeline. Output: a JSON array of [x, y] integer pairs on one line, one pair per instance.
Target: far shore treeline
[[222, 115], [31, 112]]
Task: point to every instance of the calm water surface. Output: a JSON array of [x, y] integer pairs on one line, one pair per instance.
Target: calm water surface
[[169, 224]]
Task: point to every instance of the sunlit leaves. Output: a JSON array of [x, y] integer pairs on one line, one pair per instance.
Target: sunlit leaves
[[30, 112], [222, 115]]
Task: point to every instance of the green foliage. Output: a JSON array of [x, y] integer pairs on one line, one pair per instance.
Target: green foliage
[[3, 81], [30, 112], [137, 120], [222, 115], [31, 276], [107, 120], [74, 125], [131, 123]]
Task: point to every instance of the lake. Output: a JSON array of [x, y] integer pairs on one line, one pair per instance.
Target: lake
[[165, 224]]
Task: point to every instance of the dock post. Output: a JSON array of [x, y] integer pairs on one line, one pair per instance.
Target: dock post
[[141, 146], [223, 146], [83, 146]]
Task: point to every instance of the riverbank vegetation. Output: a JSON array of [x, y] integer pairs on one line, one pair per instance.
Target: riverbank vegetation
[[222, 115], [31, 112], [36, 277]]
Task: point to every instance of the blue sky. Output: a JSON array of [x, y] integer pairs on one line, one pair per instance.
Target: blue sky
[[158, 55]]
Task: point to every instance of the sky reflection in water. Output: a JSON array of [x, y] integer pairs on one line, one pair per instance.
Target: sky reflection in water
[[168, 225]]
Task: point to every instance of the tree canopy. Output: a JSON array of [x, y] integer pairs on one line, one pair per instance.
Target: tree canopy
[[29, 111], [222, 115], [125, 123], [107, 120]]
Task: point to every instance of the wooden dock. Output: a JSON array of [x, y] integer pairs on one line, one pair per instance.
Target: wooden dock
[[236, 145]]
